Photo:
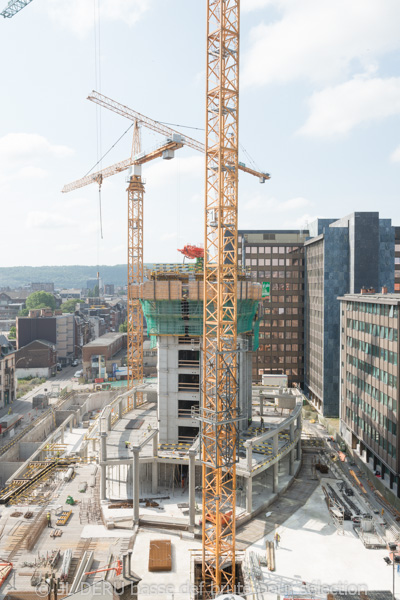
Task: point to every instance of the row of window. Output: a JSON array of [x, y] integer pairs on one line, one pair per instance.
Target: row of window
[[375, 351], [271, 249], [280, 323], [280, 347], [379, 374], [386, 333], [372, 391], [283, 310], [276, 274], [281, 359], [371, 432], [369, 369], [275, 262], [375, 414], [280, 335], [384, 310]]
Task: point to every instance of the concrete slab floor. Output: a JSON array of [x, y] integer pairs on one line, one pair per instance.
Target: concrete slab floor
[[312, 556], [167, 584]]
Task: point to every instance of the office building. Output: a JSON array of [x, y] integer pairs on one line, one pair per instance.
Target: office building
[[343, 256], [370, 380], [276, 257]]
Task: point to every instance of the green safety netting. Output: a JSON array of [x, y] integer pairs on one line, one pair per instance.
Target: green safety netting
[[185, 318]]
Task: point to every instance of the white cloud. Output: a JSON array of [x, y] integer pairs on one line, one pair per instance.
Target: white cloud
[[163, 171], [37, 219], [79, 15], [302, 222], [260, 204], [336, 110], [320, 40], [249, 5], [395, 156], [16, 148]]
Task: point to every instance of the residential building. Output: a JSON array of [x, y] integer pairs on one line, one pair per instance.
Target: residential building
[[8, 380], [397, 259], [102, 356], [36, 359], [109, 289], [56, 329], [70, 294], [342, 256], [42, 287], [369, 415], [276, 257]]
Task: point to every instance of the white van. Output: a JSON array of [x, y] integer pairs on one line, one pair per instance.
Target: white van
[[78, 373]]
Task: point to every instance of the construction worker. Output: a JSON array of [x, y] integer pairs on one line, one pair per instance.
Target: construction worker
[[262, 424], [127, 444], [48, 519], [149, 428], [277, 539]]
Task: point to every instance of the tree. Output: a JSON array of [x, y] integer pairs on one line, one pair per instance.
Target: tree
[[69, 305], [12, 333], [23, 312], [40, 300], [123, 328], [94, 293]]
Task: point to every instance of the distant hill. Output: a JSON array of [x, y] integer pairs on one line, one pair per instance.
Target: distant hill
[[63, 276]]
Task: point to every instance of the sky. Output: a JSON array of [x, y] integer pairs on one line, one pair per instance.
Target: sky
[[319, 111]]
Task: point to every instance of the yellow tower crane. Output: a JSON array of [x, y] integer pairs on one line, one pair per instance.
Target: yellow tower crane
[[135, 214], [135, 240], [219, 413]]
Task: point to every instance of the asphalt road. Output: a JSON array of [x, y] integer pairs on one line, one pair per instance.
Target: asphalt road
[[23, 405]]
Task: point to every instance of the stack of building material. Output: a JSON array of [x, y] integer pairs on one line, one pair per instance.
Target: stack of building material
[[270, 551], [160, 555]]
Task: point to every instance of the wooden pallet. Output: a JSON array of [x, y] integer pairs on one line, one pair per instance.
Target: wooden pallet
[[56, 533]]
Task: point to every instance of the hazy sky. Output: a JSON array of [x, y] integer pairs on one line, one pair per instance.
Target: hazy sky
[[319, 110]]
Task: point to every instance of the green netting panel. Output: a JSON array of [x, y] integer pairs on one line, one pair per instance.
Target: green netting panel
[[256, 338], [176, 317]]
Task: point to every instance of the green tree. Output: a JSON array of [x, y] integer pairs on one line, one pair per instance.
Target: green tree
[[40, 300], [69, 305], [23, 313], [12, 333], [123, 328], [94, 293]]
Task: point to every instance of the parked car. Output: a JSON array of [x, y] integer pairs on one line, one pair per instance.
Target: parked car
[[59, 367], [78, 373], [74, 363]]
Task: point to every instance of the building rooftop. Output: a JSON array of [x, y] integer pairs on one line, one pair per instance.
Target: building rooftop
[[372, 297], [105, 340]]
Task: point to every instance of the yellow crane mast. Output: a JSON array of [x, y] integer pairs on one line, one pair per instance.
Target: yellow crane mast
[[220, 389]]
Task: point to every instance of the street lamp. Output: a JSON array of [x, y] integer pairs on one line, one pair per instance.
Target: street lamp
[[394, 561]]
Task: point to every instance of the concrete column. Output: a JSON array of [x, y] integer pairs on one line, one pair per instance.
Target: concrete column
[[109, 422], [155, 445], [291, 453], [120, 410], [249, 455], [71, 425], [136, 484], [154, 467], [93, 445], [298, 450], [134, 399], [275, 468], [62, 435], [103, 466], [192, 488], [261, 405], [249, 494]]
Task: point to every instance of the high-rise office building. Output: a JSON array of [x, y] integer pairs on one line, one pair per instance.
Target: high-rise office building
[[276, 258], [342, 256], [369, 415]]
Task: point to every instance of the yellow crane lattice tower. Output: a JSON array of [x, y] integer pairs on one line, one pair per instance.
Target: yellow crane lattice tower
[[219, 413]]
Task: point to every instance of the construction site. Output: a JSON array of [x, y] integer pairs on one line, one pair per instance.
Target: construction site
[[198, 483]]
